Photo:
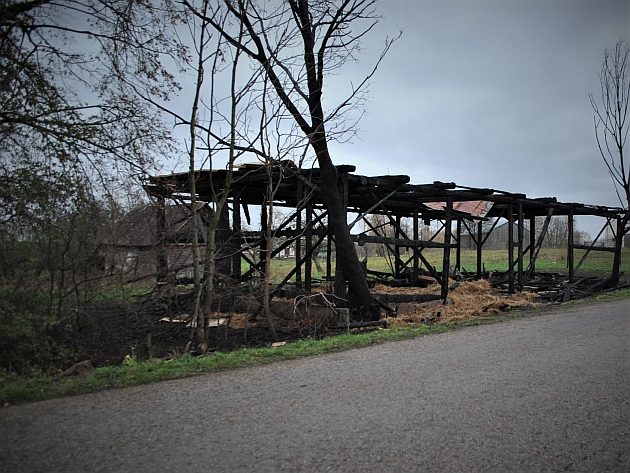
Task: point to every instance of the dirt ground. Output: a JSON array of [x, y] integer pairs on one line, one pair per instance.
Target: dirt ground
[[160, 326]]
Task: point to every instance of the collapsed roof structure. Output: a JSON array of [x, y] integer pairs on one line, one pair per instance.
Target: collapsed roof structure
[[458, 209]]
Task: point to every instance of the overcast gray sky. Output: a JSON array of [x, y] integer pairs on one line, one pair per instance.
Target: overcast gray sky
[[486, 93], [489, 94]]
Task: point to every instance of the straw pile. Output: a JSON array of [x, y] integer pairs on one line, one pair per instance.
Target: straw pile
[[430, 289], [470, 300]]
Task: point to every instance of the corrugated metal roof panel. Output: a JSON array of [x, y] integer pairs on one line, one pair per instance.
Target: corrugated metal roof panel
[[476, 208]]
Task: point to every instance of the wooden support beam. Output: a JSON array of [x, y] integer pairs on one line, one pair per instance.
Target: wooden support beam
[[340, 280], [521, 237], [608, 249], [236, 237], [538, 246], [617, 255], [298, 240], [592, 246], [458, 251], [375, 230], [373, 207], [162, 259], [363, 239], [223, 258], [329, 255], [510, 219], [396, 242], [292, 272], [479, 245], [532, 242], [262, 248], [283, 245], [416, 237], [570, 246], [308, 263], [446, 260], [494, 225]]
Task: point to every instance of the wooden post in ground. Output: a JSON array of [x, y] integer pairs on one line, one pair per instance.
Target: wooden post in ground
[[236, 238], [416, 237], [298, 241], [458, 251], [223, 258], [446, 260], [510, 218], [532, 244], [614, 279], [263, 237], [521, 237], [162, 258], [397, 264], [308, 264], [570, 246], [340, 281], [479, 246]]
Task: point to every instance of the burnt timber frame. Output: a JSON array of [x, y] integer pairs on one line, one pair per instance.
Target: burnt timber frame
[[394, 198]]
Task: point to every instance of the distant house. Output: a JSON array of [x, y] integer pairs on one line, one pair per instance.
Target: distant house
[[132, 250]]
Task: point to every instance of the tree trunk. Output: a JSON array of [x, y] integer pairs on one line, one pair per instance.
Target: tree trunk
[[267, 271], [619, 235], [201, 333], [345, 249]]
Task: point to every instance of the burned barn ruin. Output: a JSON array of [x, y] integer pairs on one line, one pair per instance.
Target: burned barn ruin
[[457, 213]]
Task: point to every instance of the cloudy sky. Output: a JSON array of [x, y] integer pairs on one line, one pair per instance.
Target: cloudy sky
[[488, 94]]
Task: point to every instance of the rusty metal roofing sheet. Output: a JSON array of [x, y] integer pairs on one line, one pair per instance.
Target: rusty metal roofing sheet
[[476, 208]]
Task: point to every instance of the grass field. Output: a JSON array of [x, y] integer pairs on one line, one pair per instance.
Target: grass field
[[549, 259]]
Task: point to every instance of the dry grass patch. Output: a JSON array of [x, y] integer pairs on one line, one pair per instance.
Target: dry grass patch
[[469, 301], [433, 288]]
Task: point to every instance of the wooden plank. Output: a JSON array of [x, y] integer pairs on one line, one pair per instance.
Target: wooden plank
[[363, 239], [610, 249], [446, 258]]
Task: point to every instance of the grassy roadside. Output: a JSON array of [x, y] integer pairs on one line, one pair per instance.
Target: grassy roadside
[[133, 373]]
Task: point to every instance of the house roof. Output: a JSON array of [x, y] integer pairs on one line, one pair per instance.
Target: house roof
[[139, 226]]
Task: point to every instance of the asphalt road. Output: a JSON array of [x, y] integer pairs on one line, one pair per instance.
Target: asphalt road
[[543, 393]]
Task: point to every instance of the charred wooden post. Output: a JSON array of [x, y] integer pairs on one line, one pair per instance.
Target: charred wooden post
[[298, 230], [329, 255], [389, 241], [592, 247], [236, 238], [510, 219], [308, 263], [479, 245], [262, 248], [398, 267], [223, 251], [532, 243], [446, 260], [538, 246], [614, 279], [340, 280], [162, 258], [416, 237], [458, 250], [521, 237], [570, 246]]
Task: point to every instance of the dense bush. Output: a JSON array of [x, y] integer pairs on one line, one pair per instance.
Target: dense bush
[[26, 341]]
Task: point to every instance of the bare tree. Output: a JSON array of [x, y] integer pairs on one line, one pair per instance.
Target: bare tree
[[64, 81], [72, 130], [298, 43], [612, 125]]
